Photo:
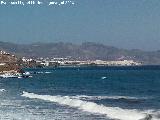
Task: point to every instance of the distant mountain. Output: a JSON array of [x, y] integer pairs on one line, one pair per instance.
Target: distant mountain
[[85, 51]]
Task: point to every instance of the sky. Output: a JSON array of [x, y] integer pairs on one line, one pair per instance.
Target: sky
[[129, 24]]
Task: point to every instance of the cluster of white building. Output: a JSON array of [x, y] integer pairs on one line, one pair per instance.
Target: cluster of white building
[[24, 59], [4, 53], [118, 62], [67, 62]]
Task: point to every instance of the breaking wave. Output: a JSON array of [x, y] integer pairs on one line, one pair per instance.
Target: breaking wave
[[2, 90], [39, 72], [110, 112], [85, 97]]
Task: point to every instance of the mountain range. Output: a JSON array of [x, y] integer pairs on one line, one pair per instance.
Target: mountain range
[[84, 51]]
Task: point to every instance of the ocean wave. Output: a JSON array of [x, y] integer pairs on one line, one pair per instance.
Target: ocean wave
[[85, 97], [103, 77], [2, 90], [110, 112], [48, 72], [153, 114], [40, 72]]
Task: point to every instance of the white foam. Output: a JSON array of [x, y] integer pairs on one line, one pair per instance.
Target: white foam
[[103, 77], [155, 114], [40, 72], [110, 112], [27, 73], [2, 90], [48, 72], [85, 97], [43, 72]]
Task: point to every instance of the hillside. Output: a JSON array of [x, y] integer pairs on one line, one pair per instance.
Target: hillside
[[84, 51], [8, 62]]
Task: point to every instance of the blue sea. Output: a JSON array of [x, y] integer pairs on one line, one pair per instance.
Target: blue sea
[[83, 93]]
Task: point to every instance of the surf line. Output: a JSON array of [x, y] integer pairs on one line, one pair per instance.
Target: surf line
[[110, 112]]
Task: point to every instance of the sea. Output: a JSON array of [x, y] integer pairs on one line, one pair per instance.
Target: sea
[[82, 93]]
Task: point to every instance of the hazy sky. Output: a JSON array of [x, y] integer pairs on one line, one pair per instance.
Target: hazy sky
[[121, 23]]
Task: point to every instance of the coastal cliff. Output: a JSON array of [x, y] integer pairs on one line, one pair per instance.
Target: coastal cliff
[[9, 63]]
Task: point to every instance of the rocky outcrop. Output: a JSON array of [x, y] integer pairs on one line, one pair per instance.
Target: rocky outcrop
[[8, 63]]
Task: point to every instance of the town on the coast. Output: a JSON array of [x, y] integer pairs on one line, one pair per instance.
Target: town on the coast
[[12, 66], [55, 62]]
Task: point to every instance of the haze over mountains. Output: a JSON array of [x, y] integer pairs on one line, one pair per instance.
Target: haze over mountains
[[84, 51]]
